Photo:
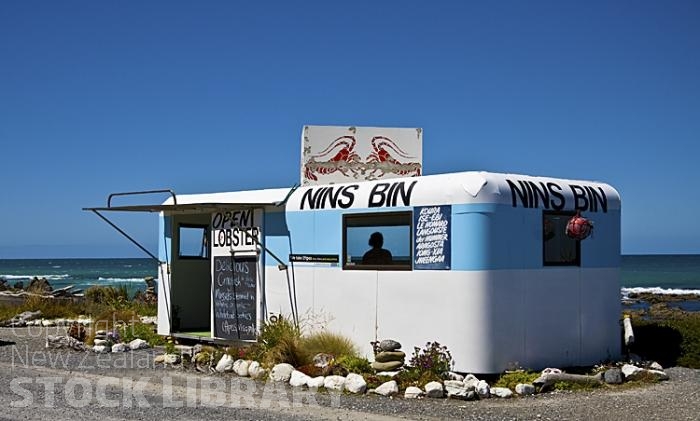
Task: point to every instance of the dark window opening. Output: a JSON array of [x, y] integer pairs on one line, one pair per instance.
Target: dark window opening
[[558, 249], [378, 241]]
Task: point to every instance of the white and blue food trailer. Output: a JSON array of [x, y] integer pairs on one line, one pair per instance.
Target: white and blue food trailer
[[480, 263]]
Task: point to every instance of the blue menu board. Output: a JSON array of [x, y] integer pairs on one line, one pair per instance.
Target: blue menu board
[[432, 232]]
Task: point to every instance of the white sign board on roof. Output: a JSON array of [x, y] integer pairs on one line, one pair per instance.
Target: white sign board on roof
[[340, 154]]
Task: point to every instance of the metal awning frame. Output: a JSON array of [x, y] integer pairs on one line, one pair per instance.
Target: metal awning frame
[[190, 208]]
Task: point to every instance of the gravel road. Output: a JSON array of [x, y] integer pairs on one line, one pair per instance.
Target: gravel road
[[53, 385]]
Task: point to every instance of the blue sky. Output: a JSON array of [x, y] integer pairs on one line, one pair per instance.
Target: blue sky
[[98, 97]]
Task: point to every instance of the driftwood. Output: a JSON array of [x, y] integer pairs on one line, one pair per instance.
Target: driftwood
[[62, 291], [547, 380]]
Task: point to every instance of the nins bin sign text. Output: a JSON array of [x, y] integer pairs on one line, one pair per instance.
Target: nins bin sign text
[[235, 230]]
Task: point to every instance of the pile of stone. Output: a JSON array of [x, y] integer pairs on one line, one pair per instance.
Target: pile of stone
[[105, 342], [149, 296], [390, 357]]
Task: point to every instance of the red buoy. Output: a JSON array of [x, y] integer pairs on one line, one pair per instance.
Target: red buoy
[[578, 227]]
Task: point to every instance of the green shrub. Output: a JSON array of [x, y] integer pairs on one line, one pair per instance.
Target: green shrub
[[576, 387], [141, 331], [412, 376], [434, 358], [279, 341], [511, 379], [353, 364], [116, 297], [669, 337], [329, 343]]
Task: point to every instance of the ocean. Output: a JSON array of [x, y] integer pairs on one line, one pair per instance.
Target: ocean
[[81, 273], [661, 274]]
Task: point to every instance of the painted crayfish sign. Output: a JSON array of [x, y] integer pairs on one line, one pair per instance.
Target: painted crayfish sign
[[344, 154]]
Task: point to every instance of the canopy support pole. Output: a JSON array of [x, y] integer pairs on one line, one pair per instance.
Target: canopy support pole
[[128, 237]]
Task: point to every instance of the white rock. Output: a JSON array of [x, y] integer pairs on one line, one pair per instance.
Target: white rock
[[99, 342], [453, 385], [334, 383], [434, 390], [120, 347], [387, 373], [455, 376], [456, 389], [281, 372], [470, 381], [138, 344], [159, 359], [631, 372], [412, 392], [322, 360], [551, 371], [225, 364], [255, 371], [501, 392], [101, 349], [470, 377], [524, 389], [354, 383], [315, 382], [483, 389], [656, 366], [171, 359], [48, 323], [389, 388], [298, 379], [149, 320], [65, 342], [240, 367], [660, 375], [60, 322]]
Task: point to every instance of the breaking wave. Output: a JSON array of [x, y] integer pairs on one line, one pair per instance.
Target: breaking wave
[[659, 291], [30, 277], [119, 280]]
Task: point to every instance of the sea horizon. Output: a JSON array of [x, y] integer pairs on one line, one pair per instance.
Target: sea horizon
[[663, 273]]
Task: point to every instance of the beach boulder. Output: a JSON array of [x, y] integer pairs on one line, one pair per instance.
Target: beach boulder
[[39, 286]]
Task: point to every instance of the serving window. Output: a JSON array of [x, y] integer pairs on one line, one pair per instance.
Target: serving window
[[558, 249], [377, 241]]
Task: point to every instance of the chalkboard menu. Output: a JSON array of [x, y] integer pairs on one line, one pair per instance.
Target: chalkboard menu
[[234, 298], [431, 235]]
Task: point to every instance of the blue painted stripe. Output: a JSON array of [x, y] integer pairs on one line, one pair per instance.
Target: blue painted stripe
[[483, 236]]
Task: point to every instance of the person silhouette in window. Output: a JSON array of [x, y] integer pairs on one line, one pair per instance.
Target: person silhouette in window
[[377, 255]]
